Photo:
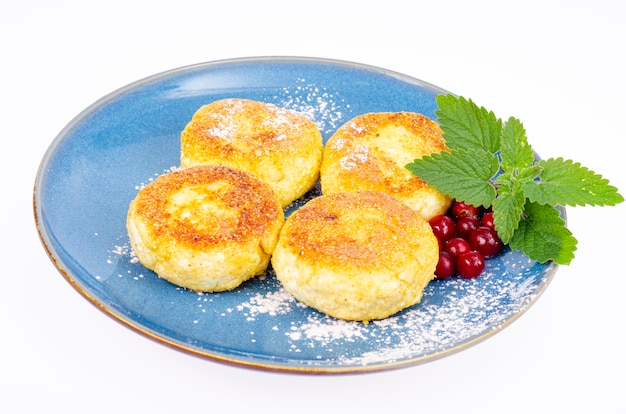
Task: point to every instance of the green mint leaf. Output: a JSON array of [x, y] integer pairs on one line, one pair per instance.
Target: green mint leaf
[[524, 194], [529, 173], [462, 174], [542, 235], [515, 152], [563, 182], [507, 211], [466, 126]]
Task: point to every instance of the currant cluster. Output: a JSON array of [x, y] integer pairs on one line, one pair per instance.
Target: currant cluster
[[467, 237]]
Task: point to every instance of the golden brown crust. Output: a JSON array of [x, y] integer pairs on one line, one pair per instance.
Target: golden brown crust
[[176, 206], [417, 124], [358, 256], [371, 151], [366, 229], [206, 228], [280, 146], [241, 127]]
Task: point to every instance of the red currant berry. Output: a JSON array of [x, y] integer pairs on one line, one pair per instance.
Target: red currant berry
[[470, 264], [456, 246], [466, 225], [461, 209], [485, 241], [445, 267], [443, 227], [487, 220]]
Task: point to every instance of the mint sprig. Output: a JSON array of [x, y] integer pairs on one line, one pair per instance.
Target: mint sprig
[[463, 172], [491, 163]]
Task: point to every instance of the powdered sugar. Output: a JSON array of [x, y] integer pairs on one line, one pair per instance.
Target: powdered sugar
[[271, 303], [154, 177], [325, 330], [262, 319], [262, 315], [225, 132], [326, 108], [452, 313], [359, 155]]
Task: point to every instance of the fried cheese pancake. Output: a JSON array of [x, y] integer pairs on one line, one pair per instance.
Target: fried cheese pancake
[[205, 228], [280, 146], [371, 151], [356, 256]]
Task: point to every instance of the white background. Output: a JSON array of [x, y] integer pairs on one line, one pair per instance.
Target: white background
[[558, 66]]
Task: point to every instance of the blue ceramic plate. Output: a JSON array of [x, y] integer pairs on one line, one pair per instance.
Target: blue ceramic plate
[[96, 165]]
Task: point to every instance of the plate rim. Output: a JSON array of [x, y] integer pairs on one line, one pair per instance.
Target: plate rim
[[74, 280]]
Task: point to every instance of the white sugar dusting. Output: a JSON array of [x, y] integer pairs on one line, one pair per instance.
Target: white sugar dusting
[[469, 311], [359, 155], [452, 312], [271, 303], [338, 143], [356, 128], [154, 177], [324, 330], [324, 107], [224, 132], [122, 251]]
